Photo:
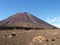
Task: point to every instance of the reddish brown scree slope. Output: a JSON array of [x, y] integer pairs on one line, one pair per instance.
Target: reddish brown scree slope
[[25, 20]]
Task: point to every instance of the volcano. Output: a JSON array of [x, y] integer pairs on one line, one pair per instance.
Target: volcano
[[25, 20]]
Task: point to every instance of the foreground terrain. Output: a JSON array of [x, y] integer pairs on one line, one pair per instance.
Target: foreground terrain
[[30, 37]]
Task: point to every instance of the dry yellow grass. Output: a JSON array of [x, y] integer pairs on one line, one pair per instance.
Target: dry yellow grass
[[39, 39], [30, 37]]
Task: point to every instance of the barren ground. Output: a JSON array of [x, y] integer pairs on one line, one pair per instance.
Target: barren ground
[[30, 37]]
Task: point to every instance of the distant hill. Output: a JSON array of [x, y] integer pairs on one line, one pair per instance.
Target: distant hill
[[24, 20]]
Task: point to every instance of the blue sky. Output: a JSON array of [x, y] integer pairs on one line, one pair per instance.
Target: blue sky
[[47, 10]]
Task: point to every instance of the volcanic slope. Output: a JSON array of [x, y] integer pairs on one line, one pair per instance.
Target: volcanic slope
[[25, 20]]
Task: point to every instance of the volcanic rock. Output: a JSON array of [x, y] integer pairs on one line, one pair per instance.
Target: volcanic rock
[[25, 20]]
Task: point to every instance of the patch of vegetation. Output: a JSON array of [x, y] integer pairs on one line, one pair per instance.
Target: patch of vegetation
[[16, 27]]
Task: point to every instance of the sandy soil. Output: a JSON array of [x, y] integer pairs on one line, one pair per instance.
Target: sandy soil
[[30, 37]]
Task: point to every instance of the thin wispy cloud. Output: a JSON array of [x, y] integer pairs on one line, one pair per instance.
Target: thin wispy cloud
[[54, 21], [51, 20]]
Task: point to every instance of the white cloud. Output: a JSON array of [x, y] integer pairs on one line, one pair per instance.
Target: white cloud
[[57, 25], [51, 20], [54, 21]]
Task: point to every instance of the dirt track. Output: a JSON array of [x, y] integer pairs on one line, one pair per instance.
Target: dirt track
[[30, 37]]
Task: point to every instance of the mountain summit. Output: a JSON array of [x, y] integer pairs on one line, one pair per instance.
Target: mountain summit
[[25, 20]]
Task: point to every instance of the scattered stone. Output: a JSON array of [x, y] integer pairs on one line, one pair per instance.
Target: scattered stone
[[53, 40]]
